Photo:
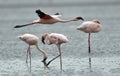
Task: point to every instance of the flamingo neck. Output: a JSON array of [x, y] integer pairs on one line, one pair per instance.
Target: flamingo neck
[[44, 53], [47, 39], [64, 21]]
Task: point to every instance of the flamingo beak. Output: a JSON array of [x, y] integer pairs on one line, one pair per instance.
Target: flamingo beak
[[80, 18], [19, 37], [43, 40]]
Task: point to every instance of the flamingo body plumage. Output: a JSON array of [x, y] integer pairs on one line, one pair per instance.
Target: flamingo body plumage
[[93, 26], [33, 40], [57, 39], [29, 39], [89, 27]]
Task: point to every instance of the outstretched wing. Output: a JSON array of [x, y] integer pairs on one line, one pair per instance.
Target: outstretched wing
[[56, 15], [42, 14]]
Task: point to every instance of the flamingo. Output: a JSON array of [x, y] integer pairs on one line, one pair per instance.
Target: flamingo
[[89, 27], [57, 39], [48, 19], [33, 40]]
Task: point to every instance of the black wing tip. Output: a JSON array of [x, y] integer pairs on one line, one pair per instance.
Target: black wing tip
[[40, 13]]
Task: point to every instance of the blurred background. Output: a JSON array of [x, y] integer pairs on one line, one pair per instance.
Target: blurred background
[[105, 44]]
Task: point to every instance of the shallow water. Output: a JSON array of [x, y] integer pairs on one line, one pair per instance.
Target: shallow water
[[104, 45]]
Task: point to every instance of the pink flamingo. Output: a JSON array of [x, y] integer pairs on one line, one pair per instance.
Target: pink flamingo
[[57, 39], [48, 19], [89, 27], [33, 40]]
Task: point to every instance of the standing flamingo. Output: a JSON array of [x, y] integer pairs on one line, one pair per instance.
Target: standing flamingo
[[89, 27], [48, 19], [57, 39], [33, 40]]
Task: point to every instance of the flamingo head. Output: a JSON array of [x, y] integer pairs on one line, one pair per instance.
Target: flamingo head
[[43, 37], [57, 13], [78, 18], [20, 37], [96, 21], [23, 37]]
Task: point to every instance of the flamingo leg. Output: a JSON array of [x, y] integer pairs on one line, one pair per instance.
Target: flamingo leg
[[52, 59], [27, 54], [30, 58], [60, 56], [89, 51], [57, 57]]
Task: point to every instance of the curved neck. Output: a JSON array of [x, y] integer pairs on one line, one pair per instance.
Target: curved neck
[[44, 53]]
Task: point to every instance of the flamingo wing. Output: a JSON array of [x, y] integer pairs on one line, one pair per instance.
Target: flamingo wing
[[43, 15]]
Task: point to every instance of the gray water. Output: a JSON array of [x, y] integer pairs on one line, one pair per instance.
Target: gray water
[[104, 45]]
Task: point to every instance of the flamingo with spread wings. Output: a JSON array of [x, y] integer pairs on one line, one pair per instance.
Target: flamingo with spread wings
[[48, 19]]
